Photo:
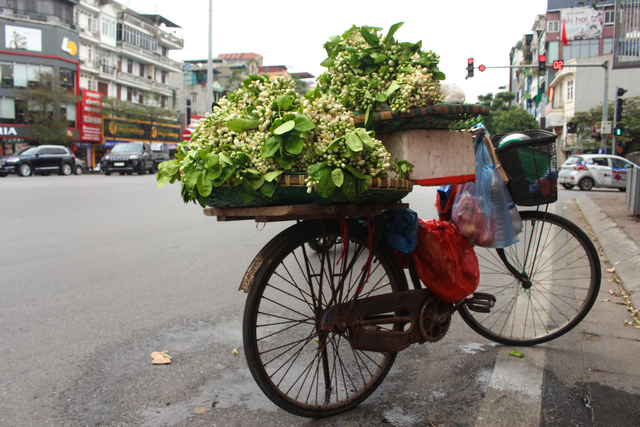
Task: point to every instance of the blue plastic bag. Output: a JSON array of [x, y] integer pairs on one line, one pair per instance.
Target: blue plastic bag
[[481, 209], [401, 230]]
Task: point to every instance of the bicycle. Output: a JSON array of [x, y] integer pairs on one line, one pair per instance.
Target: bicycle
[[329, 304]]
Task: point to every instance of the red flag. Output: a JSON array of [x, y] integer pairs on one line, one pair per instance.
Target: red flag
[[563, 37]]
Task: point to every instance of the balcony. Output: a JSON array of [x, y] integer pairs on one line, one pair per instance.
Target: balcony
[[90, 33], [145, 83], [15, 13], [169, 64]]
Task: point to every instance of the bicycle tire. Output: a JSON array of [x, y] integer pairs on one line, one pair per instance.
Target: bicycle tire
[[564, 286], [286, 361]]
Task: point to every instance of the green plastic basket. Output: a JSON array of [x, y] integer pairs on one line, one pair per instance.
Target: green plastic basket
[[292, 190], [439, 116]]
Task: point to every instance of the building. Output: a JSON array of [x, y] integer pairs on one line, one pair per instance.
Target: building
[[37, 37], [124, 55]]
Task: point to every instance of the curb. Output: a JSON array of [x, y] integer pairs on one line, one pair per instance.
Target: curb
[[622, 252]]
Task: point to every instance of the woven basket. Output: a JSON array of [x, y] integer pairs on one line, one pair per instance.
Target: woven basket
[[439, 116], [292, 190], [531, 167]]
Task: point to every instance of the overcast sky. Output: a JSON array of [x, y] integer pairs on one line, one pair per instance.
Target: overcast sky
[[292, 33]]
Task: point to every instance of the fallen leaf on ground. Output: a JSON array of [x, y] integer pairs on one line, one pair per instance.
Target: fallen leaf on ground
[[611, 270], [160, 357], [605, 300], [612, 292], [201, 410], [235, 351], [516, 353]]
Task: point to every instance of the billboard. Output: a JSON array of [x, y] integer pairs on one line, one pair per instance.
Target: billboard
[[91, 116], [22, 38], [116, 128], [582, 23]]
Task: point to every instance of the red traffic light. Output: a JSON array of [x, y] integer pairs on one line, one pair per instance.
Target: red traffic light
[[542, 58], [557, 65], [470, 61], [481, 67]]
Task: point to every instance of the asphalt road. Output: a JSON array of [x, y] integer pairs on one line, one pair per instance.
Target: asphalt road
[[98, 272]]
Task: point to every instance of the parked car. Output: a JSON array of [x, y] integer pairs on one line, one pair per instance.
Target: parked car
[[80, 167], [595, 170], [128, 158], [42, 160]]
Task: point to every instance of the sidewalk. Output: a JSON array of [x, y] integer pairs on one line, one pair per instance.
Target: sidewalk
[[618, 232]]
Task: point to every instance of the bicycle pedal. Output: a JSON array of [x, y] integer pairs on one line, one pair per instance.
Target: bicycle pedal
[[481, 302]]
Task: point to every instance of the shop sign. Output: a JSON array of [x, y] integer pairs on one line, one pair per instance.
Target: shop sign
[[91, 116], [22, 38], [135, 130]]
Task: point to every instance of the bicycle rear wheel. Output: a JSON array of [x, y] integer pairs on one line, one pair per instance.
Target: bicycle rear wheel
[[302, 369], [559, 282]]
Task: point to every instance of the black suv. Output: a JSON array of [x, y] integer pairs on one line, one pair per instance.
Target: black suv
[[128, 158], [42, 159]]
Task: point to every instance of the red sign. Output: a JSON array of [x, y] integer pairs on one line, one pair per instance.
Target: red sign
[[90, 122], [557, 65], [481, 67], [186, 134]]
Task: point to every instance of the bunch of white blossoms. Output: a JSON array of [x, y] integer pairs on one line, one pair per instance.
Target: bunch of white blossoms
[[264, 129]]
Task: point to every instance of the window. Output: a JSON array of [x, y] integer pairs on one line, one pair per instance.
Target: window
[[141, 97], [599, 161], [68, 80], [581, 49], [553, 26], [6, 74], [609, 17], [194, 97], [129, 94], [557, 97], [7, 109], [109, 27], [552, 52], [141, 70], [607, 45], [619, 163], [570, 90], [129, 66], [163, 77]]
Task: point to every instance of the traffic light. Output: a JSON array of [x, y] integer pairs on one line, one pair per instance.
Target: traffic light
[[188, 121], [557, 65], [571, 127], [469, 67], [542, 65], [481, 67], [621, 91], [618, 131], [619, 106]]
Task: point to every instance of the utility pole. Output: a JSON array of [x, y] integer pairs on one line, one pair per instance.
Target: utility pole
[[617, 116], [210, 62], [605, 104]]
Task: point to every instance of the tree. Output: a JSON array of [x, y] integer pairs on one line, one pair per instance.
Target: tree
[[45, 99], [503, 118], [628, 142]]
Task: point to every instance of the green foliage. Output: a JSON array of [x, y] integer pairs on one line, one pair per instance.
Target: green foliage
[[503, 118], [44, 101]]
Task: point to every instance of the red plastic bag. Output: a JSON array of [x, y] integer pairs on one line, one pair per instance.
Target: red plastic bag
[[445, 262]]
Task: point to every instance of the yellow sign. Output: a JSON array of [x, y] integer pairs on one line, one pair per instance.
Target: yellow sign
[[69, 46]]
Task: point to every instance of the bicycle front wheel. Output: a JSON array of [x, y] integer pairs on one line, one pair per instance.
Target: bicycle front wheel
[[544, 285], [305, 370]]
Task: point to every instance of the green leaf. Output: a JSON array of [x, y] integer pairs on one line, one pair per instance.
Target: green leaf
[[439, 75], [271, 176], [252, 174], [355, 61], [349, 186], [337, 195], [516, 353], [204, 185], [256, 183], [364, 137], [203, 154], [169, 168], [392, 88], [285, 127], [392, 31], [303, 123], [271, 146], [353, 142], [379, 57], [191, 178], [370, 69], [364, 183], [268, 188], [284, 102], [316, 168], [337, 177], [371, 38], [328, 62], [225, 158], [246, 192], [284, 161], [243, 157], [368, 117], [381, 97], [214, 172], [352, 154], [335, 143], [210, 160], [354, 171], [275, 125], [325, 183], [227, 172], [162, 180], [238, 124], [294, 145]]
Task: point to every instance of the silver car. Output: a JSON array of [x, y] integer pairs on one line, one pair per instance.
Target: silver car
[[595, 170]]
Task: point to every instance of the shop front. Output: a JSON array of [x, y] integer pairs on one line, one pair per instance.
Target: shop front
[[162, 137]]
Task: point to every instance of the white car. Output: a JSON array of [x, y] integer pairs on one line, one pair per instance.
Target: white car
[[595, 170]]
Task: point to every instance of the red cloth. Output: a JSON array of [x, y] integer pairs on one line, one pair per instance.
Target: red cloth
[[563, 37]]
